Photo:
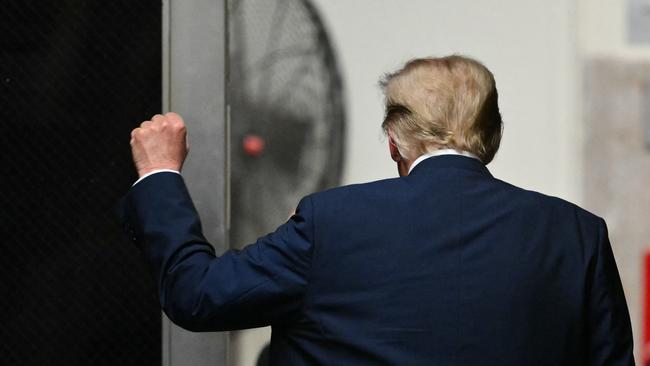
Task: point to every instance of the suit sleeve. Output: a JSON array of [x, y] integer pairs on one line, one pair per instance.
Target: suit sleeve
[[610, 332], [260, 285]]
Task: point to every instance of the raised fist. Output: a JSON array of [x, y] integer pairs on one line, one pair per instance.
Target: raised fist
[[159, 144]]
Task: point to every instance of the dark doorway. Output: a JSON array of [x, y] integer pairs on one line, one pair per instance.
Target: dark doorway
[[76, 77]]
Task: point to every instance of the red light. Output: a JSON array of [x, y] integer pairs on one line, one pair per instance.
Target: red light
[[253, 145]]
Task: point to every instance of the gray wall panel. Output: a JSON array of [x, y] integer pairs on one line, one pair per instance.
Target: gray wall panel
[[194, 65]]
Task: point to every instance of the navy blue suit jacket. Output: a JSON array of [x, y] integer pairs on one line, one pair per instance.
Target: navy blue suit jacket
[[447, 266]]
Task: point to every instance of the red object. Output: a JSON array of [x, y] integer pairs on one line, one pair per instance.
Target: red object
[[645, 352], [253, 145]]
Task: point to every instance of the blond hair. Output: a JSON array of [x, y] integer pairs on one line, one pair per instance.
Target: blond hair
[[447, 102]]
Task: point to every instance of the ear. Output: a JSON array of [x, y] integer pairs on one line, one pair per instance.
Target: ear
[[394, 151]]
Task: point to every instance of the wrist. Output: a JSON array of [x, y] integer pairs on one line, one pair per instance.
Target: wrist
[[147, 171], [152, 172]]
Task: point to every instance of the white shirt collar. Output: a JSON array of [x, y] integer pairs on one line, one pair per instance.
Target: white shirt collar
[[423, 157]]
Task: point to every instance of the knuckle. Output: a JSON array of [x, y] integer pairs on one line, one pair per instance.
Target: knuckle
[[172, 115], [174, 118]]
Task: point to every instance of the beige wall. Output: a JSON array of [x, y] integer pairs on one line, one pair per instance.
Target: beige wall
[[603, 32]]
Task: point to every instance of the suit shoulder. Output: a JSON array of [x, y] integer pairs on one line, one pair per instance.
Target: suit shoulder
[[551, 203], [354, 190]]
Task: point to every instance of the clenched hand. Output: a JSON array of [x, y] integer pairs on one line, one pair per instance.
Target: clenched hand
[[159, 144]]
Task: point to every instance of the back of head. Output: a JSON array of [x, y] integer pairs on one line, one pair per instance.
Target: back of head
[[447, 102]]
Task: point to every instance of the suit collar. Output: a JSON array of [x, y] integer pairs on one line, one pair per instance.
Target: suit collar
[[449, 161], [441, 152]]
